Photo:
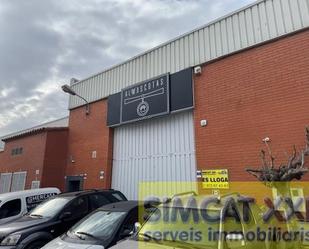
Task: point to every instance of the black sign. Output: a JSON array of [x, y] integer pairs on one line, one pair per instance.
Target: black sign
[[164, 94], [181, 90], [113, 109], [145, 100]]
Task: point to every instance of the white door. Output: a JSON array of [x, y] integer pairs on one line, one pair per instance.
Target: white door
[[5, 182], [18, 181], [156, 150]]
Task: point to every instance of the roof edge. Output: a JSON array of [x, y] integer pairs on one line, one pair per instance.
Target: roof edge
[[13, 134], [256, 2], [34, 132]]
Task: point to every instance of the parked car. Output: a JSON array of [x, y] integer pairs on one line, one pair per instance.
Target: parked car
[[103, 228], [175, 227], [13, 205], [53, 217]]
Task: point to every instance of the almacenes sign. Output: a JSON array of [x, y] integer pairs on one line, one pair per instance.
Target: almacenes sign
[[145, 100], [161, 95]]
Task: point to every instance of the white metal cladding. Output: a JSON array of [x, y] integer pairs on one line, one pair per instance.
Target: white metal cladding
[[256, 23], [5, 182], [160, 149], [18, 181]]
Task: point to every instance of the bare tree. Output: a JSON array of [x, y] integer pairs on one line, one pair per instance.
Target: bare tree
[[294, 169]]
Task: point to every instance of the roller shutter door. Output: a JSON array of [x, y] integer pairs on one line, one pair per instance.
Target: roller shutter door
[[5, 182], [160, 149], [18, 181]]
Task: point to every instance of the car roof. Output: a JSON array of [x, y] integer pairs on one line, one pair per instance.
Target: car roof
[[200, 199], [122, 206], [27, 192], [85, 192]]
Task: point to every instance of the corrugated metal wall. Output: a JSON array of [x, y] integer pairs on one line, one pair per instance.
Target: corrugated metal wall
[[160, 149], [10, 182], [18, 181], [254, 24], [5, 182]]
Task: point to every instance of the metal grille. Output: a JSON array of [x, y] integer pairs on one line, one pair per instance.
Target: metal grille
[[18, 181], [160, 149], [5, 182]]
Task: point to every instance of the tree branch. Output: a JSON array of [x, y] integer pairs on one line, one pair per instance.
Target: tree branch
[[294, 169]]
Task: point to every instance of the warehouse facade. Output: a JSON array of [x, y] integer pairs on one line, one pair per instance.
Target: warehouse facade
[[202, 101]]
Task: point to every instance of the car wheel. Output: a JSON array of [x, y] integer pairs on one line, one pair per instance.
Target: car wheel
[[36, 245]]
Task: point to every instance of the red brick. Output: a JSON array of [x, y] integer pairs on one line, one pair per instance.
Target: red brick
[[248, 96], [89, 133], [44, 151]]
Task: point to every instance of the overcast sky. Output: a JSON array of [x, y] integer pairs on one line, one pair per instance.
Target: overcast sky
[[44, 43]]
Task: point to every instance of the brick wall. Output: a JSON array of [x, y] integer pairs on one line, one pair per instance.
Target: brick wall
[[55, 159], [1, 156], [260, 92], [88, 133], [43, 151], [30, 160]]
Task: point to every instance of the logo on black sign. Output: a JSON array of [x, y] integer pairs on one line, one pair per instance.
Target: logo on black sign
[[142, 108], [145, 99]]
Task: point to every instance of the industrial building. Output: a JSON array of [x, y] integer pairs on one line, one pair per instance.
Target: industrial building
[[34, 157], [204, 100]]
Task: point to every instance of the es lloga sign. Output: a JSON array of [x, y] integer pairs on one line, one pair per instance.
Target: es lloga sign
[[215, 179]]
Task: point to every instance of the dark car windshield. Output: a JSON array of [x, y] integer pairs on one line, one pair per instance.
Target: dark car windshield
[[101, 224], [49, 208], [178, 233]]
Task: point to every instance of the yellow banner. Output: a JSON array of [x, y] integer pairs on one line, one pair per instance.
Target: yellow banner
[[273, 215]]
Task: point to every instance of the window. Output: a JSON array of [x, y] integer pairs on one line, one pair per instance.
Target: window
[[10, 209], [50, 208], [101, 224], [129, 223], [115, 197], [78, 208], [98, 200], [17, 151]]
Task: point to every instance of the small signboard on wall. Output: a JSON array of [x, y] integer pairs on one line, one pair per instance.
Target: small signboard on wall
[[215, 179], [35, 184]]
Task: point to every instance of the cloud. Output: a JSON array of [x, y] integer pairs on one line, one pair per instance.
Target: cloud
[[45, 43]]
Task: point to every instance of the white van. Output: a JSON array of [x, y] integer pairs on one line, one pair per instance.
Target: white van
[[15, 204]]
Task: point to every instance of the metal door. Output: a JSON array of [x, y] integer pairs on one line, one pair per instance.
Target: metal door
[[18, 181], [156, 150], [5, 182]]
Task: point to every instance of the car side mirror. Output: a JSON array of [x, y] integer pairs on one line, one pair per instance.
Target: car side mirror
[[65, 215], [137, 227], [234, 240], [126, 233]]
